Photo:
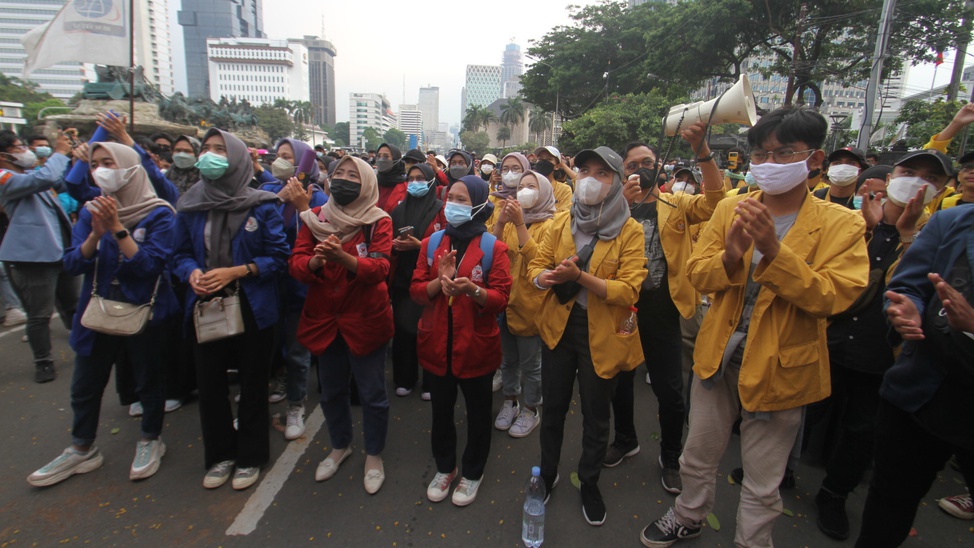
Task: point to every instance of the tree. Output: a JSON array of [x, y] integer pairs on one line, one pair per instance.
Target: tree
[[274, 121], [539, 122], [503, 135], [926, 119], [341, 133], [512, 112], [395, 138], [477, 117], [32, 109], [475, 141], [372, 138], [302, 112]]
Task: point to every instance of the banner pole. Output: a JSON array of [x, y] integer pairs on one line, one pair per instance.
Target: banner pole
[[132, 66]]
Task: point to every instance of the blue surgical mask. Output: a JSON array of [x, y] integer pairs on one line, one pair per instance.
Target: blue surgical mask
[[418, 189], [42, 152], [212, 166], [458, 214]]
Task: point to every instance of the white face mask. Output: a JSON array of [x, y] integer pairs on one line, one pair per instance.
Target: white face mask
[[527, 197], [779, 178], [25, 159], [486, 169], [590, 191], [109, 180], [510, 179], [686, 188], [901, 190], [843, 174]]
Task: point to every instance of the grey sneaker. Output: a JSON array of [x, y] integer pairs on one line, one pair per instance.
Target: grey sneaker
[[69, 463], [665, 531], [507, 415], [497, 381], [218, 474], [295, 422], [14, 317], [148, 456], [616, 452], [245, 477], [671, 474], [526, 422], [278, 390]]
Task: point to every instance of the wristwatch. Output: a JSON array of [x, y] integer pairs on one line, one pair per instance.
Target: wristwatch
[[122, 234], [475, 294]]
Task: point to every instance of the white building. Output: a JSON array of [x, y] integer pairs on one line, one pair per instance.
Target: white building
[[410, 121], [153, 44], [11, 115], [483, 85], [429, 103], [511, 70], [368, 110], [259, 70]]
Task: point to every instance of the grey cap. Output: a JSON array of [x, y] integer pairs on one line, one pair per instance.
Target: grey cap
[[610, 157], [940, 157]]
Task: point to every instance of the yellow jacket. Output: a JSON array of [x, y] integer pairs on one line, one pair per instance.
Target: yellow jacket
[[732, 184], [622, 263], [525, 299], [676, 237], [821, 269], [936, 144], [934, 204], [563, 196]]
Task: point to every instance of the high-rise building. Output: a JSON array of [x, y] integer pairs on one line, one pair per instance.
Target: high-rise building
[[410, 121], [368, 110], [429, 104], [321, 78], [259, 70], [511, 71], [203, 19], [153, 44], [483, 85], [62, 80]]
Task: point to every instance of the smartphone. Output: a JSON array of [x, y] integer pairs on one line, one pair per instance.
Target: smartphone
[[405, 232], [732, 160]]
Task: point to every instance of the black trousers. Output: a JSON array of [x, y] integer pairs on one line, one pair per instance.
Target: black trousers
[[854, 400], [405, 360], [250, 353], [907, 458], [662, 340], [478, 396], [572, 358]]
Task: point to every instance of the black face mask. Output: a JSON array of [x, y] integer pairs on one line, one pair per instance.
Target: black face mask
[[344, 191], [544, 167], [560, 175]]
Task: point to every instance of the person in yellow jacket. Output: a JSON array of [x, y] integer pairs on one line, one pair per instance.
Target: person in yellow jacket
[[965, 183], [665, 296], [523, 223], [778, 263], [941, 141], [550, 165], [590, 267]]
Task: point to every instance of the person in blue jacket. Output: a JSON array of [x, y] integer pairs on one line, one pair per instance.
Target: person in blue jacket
[[296, 358], [122, 243], [35, 241], [229, 238]]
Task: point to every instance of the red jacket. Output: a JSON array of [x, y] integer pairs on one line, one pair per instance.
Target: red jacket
[[356, 304], [391, 196], [476, 348]]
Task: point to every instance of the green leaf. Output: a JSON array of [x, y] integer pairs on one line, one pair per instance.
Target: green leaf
[[787, 512], [116, 430], [713, 522], [577, 483]]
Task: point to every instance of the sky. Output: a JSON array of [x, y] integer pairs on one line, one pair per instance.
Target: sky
[[430, 43]]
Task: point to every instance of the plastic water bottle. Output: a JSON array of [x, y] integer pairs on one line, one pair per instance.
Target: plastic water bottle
[[532, 526], [628, 325]]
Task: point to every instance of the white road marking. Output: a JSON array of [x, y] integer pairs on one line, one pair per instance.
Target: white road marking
[[248, 518], [14, 330]]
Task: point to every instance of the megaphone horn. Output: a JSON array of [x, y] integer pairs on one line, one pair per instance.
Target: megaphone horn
[[734, 106]]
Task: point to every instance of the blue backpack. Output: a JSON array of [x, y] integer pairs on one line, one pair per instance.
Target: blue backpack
[[486, 247]]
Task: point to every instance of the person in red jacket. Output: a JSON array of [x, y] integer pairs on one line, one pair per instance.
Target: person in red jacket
[[459, 343], [342, 253], [391, 173]]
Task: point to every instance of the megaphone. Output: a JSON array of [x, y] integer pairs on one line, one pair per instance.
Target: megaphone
[[734, 106]]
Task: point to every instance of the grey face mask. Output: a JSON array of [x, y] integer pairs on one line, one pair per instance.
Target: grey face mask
[[459, 171], [183, 160], [384, 164]]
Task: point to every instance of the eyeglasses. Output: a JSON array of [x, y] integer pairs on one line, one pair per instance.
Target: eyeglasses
[[781, 155], [648, 163], [515, 169]]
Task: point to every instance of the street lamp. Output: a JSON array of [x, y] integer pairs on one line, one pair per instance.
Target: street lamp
[[837, 119]]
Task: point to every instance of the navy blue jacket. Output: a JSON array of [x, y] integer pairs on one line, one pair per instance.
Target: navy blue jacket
[[136, 276], [260, 240]]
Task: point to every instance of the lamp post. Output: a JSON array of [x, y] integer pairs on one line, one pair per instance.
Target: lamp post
[[837, 119]]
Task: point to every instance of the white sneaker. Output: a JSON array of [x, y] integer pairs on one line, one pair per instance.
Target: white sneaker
[[15, 317], [245, 477], [218, 474], [426, 396], [69, 463], [295, 422], [135, 410], [526, 422], [148, 456], [439, 488], [507, 415], [466, 491], [648, 380], [172, 405], [403, 392], [498, 381]]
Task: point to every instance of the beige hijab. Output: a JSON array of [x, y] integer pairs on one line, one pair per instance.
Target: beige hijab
[[136, 199], [345, 222]]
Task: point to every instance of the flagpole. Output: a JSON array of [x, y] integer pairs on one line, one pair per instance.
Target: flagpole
[[132, 66]]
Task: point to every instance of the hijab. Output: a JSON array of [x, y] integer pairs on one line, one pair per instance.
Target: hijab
[[544, 207], [227, 200], [418, 212], [136, 199], [182, 179], [397, 174], [467, 158], [604, 219], [346, 221], [478, 190], [505, 192], [300, 149]]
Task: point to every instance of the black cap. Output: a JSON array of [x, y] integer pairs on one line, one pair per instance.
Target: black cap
[[940, 157], [856, 152], [969, 157], [874, 172], [608, 156], [415, 155]]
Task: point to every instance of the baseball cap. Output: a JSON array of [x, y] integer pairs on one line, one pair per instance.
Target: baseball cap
[[608, 156], [415, 155], [857, 152], [967, 158], [551, 150], [489, 158], [940, 157]]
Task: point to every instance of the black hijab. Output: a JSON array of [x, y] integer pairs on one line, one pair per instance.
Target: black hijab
[[396, 174], [479, 190]]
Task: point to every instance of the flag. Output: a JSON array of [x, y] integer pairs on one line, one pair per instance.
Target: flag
[[940, 59], [88, 31]]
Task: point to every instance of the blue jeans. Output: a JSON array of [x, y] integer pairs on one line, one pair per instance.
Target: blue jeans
[[297, 360], [336, 368], [41, 287], [91, 375], [521, 356]]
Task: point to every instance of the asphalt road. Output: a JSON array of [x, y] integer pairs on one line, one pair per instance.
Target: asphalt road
[[288, 508]]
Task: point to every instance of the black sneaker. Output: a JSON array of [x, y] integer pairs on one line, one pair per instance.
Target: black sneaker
[[616, 452], [670, 465], [665, 531], [592, 506], [787, 482], [549, 486], [832, 518], [44, 372]]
